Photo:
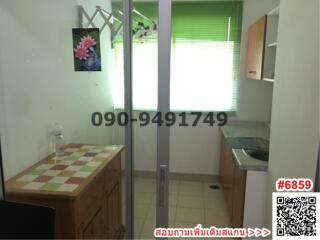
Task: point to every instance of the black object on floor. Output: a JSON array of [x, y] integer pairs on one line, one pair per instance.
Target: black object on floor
[[24, 221], [214, 187]]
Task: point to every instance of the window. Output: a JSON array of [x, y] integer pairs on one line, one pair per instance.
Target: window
[[205, 59]]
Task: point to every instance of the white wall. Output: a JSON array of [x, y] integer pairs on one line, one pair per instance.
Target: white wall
[[295, 114], [44, 67], [255, 199], [254, 96], [38, 82], [197, 149], [192, 149]]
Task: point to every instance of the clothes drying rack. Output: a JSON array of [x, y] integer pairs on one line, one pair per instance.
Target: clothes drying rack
[[113, 20]]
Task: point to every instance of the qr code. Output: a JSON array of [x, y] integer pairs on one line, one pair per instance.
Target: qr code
[[295, 215]]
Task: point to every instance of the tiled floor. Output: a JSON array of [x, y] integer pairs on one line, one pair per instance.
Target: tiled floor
[[190, 203]]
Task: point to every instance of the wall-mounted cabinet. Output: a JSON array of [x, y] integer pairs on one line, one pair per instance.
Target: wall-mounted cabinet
[[269, 62], [262, 47], [255, 50]]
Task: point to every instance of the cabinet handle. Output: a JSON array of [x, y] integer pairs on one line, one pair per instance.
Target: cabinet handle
[[252, 72]]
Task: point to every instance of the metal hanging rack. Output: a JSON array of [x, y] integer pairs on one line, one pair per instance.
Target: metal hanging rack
[[113, 20]]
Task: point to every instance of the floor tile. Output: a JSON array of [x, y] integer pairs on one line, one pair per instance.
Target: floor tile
[[190, 201], [186, 190], [141, 210], [191, 184], [185, 224], [148, 230], [138, 224], [152, 213], [172, 214], [144, 198], [190, 215], [151, 216], [208, 192], [217, 218], [218, 203]]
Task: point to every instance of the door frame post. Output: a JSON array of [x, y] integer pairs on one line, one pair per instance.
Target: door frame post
[[163, 131], [129, 161]]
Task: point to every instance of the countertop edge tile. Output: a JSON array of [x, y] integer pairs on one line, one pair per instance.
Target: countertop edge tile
[[263, 166], [242, 161]]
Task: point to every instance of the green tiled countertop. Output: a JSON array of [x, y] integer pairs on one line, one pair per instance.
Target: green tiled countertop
[[63, 174]]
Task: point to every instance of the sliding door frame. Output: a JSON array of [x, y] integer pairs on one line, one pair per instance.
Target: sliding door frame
[[163, 131], [127, 37]]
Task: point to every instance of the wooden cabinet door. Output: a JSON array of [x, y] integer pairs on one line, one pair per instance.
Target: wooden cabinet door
[[222, 164], [239, 191], [226, 172], [94, 230], [233, 182], [255, 50], [229, 179], [112, 212]]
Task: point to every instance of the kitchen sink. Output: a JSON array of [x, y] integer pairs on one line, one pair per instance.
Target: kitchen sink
[[257, 154]]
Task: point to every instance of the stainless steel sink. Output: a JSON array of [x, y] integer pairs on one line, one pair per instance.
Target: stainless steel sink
[[257, 154]]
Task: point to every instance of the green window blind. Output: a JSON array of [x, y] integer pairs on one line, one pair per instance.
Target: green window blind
[[206, 39], [200, 20], [208, 21]]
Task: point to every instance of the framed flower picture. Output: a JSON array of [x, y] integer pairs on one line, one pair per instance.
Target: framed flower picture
[[86, 49]]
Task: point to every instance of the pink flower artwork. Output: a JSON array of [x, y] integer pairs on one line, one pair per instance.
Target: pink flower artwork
[[86, 49], [87, 42], [81, 52]]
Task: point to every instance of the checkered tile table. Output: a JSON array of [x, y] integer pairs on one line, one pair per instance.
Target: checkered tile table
[[65, 173]]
